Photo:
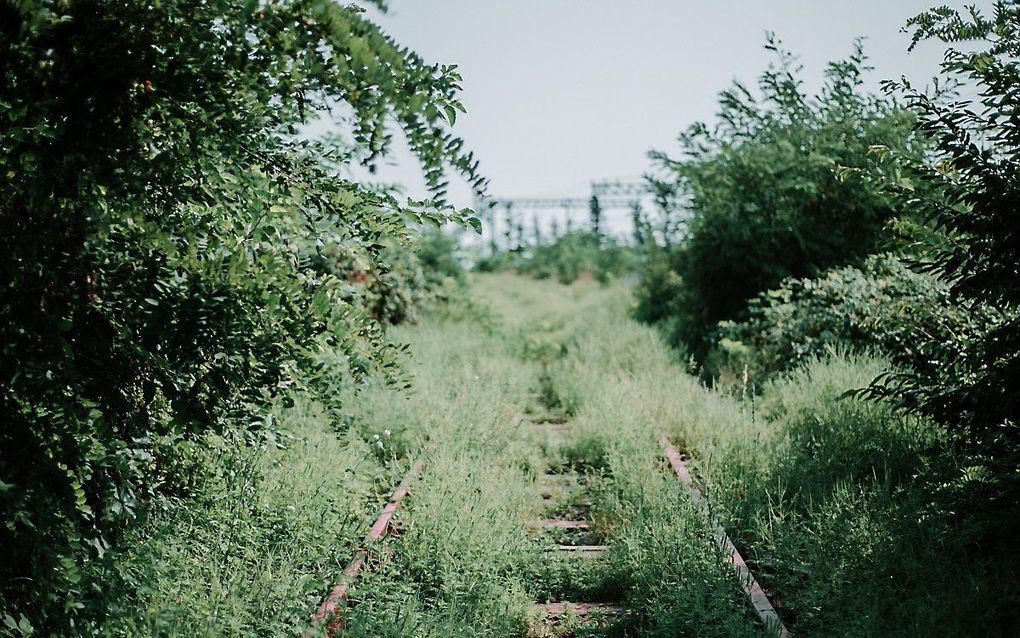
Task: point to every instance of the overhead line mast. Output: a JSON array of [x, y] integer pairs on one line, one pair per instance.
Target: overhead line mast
[[605, 194]]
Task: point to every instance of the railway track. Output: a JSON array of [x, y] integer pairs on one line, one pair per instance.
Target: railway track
[[570, 539], [568, 536], [603, 614], [755, 594], [330, 615]]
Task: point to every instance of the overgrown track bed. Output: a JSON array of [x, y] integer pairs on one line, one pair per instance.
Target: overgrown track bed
[[567, 538], [571, 537], [573, 543], [546, 509], [330, 613]]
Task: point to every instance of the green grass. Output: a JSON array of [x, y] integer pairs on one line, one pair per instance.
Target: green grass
[[463, 564], [859, 520], [253, 553], [856, 519]]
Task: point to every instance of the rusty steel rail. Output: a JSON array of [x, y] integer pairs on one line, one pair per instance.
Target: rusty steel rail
[[759, 600], [330, 613]]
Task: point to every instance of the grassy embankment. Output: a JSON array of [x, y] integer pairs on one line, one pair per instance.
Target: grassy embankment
[[832, 499]]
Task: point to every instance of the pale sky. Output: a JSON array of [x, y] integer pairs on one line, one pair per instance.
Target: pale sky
[[561, 92]]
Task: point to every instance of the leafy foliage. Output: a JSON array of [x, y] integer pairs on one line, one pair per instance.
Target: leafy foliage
[[765, 199], [404, 276], [972, 199], [659, 295], [164, 231], [566, 258], [571, 256], [880, 306]]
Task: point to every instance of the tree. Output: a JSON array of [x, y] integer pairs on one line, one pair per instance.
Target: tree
[[766, 193], [162, 231], [972, 198]]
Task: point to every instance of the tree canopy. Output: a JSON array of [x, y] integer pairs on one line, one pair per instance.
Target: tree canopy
[[162, 231]]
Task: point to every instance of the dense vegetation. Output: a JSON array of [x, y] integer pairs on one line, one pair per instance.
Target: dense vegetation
[[840, 504], [970, 199], [879, 306], [565, 258], [175, 258], [788, 187], [764, 197], [205, 322], [917, 264]]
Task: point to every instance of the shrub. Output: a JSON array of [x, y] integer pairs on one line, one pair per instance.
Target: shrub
[[439, 255], [566, 258], [765, 199], [658, 294], [574, 254], [881, 305], [404, 277], [160, 232]]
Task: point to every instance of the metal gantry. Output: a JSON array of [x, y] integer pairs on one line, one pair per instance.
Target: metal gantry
[[631, 190], [616, 194], [610, 193]]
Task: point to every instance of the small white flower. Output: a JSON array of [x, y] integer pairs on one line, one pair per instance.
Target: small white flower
[[375, 437], [379, 444], [386, 432]]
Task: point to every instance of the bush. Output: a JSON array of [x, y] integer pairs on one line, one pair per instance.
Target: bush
[[659, 293], [161, 230], [566, 258], [439, 255], [400, 280], [765, 199], [881, 306], [575, 254]]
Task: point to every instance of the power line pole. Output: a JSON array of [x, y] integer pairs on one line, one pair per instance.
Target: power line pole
[[595, 212]]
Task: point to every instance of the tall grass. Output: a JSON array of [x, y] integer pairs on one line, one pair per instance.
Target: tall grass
[[254, 552], [463, 564], [458, 562], [856, 520]]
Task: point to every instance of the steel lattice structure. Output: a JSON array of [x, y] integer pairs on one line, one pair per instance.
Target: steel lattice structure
[[610, 194], [606, 195]]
